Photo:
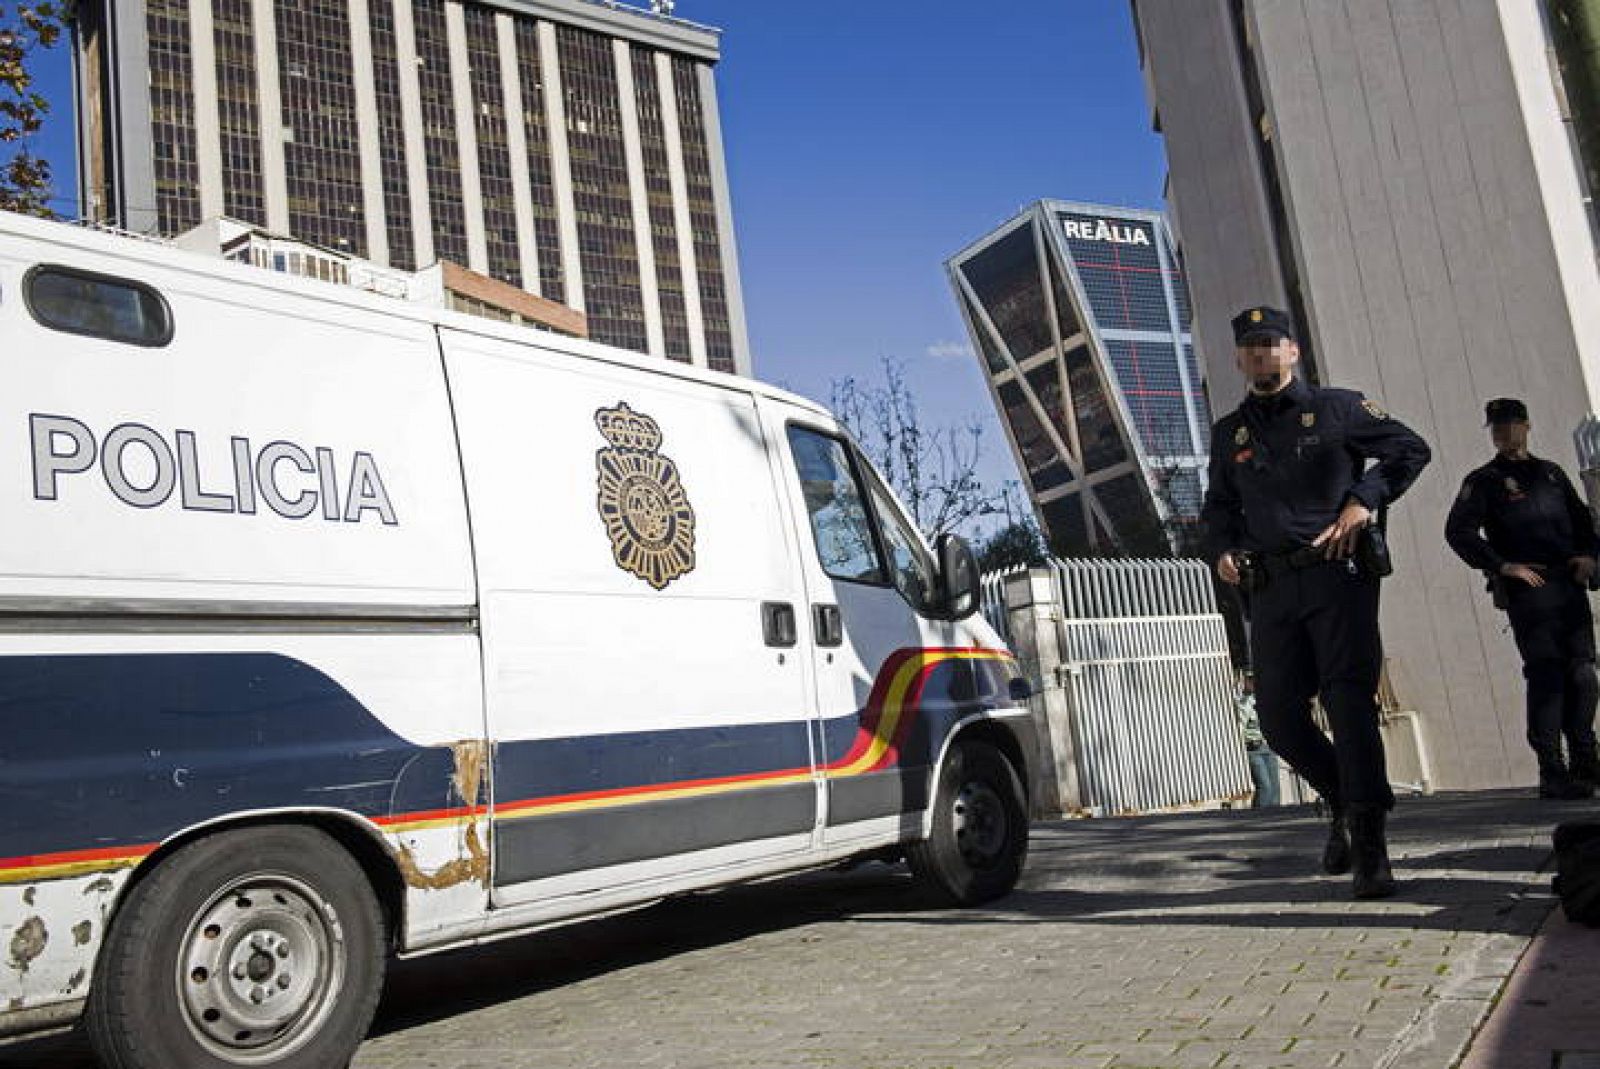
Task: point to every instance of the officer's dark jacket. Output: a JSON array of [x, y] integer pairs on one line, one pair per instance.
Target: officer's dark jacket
[[1283, 466], [1519, 512]]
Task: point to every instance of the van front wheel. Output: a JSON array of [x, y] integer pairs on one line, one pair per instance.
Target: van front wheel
[[979, 838], [261, 947]]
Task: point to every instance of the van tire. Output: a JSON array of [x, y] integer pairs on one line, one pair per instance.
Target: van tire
[[203, 946], [979, 838]]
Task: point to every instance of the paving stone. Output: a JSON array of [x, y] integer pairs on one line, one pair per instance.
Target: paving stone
[[1200, 940]]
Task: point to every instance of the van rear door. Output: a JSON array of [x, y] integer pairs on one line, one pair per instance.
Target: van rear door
[[645, 678]]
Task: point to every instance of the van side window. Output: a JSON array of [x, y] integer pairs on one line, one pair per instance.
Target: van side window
[[910, 565], [80, 302], [838, 514]]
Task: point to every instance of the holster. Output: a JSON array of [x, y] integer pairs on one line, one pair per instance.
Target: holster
[[1499, 588], [1372, 553], [1253, 575]]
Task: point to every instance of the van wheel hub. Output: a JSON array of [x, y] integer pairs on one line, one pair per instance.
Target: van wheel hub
[[260, 967], [979, 824]]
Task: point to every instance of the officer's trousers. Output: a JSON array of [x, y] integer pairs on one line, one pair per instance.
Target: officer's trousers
[[1314, 632], [1554, 629]]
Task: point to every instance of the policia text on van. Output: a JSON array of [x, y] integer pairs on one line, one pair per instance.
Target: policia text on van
[[332, 627]]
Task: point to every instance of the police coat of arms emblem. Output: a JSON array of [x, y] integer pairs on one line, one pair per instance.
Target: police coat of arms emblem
[[643, 505]]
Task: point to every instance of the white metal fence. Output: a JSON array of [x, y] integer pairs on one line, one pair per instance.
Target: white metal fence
[[1138, 667]]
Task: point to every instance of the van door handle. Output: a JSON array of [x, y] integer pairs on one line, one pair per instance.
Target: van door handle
[[828, 625], [778, 623]]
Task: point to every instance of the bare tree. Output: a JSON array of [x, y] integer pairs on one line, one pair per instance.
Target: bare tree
[[25, 28], [933, 471]]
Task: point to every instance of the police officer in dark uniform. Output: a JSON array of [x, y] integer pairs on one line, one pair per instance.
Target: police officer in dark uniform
[[1287, 517], [1519, 520]]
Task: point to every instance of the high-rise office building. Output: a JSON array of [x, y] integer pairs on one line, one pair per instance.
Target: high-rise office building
[[1080, 319], [1402, 176], [571, 148]]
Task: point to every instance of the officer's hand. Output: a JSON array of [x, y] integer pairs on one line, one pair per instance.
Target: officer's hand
[[1228, 569], [1339, 537], [1582, 569], [1523, 572]]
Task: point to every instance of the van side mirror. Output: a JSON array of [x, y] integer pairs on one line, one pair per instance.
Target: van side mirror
[[958, 568]]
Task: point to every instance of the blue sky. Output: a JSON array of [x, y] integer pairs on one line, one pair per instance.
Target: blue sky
[[868, 141]]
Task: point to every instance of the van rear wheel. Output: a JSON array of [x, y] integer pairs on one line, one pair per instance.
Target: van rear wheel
[[261, 947], [979, 838]]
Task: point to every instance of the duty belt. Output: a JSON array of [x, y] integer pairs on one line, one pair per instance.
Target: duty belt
[[1293, 560]]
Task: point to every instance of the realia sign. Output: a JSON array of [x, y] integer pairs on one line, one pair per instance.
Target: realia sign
[[1106, 230]]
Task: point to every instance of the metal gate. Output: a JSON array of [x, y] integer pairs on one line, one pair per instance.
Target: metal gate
[[1135, 684]]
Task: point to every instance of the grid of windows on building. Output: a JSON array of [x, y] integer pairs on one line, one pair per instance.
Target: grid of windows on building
[[494, 152], [663, 221], [442, 149], [1153, 389], [320, 144], [172, 129], [1072, 314], [391, 135], [1121, 272], [315, 116], [239, 111], [611, 291], [552, 281], [703, 215]]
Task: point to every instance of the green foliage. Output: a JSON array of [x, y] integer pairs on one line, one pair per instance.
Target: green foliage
[[25, 28], [1018, 544]]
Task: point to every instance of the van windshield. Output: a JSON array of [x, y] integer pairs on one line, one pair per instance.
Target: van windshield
[[911, 566]]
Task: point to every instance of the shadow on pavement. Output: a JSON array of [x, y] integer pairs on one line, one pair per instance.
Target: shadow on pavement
[[1245, 868]]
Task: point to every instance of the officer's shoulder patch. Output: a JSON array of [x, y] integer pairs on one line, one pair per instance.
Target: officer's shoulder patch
[[1374, 409]]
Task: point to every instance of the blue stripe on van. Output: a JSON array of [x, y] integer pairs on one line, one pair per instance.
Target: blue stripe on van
[[108, 750], [124, 749]]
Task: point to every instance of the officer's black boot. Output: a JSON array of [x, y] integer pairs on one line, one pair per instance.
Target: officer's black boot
[[1556, 782], [1336, 855], [1369, 853], [1562, 785], [1586, 768]]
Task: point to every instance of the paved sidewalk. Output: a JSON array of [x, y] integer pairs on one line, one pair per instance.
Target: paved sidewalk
[[1195, 940], [1549, 1015]]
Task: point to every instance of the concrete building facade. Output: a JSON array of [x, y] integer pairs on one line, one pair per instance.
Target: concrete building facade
[[1400, 175], [570, 148], [1080, 319]]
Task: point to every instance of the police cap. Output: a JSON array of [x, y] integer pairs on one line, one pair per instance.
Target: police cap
[[1505, 410], [1262, 323]]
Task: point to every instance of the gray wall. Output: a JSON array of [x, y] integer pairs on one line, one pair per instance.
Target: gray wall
[[1216, 198], [1423, 243]]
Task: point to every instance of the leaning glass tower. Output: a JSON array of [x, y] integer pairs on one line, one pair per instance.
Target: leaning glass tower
[[1080, 317]]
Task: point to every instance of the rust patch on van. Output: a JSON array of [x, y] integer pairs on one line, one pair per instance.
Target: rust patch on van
[[28, 895], [74, 981], [100, 887], [28, 943], [81, 932], [469, 758]]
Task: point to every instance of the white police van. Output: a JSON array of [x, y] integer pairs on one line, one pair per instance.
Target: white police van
[[332, 627]]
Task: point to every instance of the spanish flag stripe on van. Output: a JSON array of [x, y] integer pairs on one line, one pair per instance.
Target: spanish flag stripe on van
[[883, 727]]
